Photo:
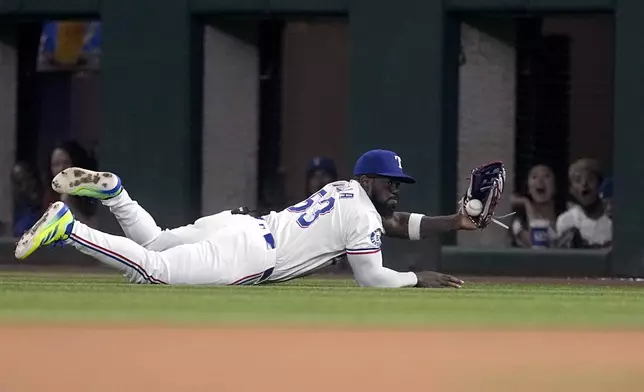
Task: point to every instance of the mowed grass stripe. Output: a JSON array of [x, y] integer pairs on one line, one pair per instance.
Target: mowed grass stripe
[[317, 301]]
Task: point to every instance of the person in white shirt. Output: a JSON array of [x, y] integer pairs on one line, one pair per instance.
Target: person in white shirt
[[585, 224], [234, 247]]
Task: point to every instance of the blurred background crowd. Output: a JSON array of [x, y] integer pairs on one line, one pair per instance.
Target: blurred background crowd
[[516, 78], [545, 217]]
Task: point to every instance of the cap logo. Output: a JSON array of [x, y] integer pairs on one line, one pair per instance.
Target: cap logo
[[397, 158]]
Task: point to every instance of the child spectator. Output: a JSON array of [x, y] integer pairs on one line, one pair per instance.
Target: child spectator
[[585, 224]]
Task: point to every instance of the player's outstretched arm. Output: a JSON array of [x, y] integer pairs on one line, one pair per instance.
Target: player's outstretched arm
[[369, 272], [362, 247], [414, 226]]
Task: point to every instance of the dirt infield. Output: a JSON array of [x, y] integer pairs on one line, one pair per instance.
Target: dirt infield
[[38, 358]]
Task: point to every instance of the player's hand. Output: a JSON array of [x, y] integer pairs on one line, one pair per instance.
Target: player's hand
[[463, 221], [432, 279]]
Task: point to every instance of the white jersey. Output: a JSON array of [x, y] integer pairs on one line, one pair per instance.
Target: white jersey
[[338, 219], [596, 232]]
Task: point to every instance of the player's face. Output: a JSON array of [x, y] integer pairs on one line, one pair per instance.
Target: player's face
[[384, 194]]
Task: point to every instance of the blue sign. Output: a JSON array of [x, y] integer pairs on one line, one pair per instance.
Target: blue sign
[[70, 45]]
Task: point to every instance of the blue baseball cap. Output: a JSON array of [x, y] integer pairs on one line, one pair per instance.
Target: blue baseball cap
[[321, 163], [383, 163]]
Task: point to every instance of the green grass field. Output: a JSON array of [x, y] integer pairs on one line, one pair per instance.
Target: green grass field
[[100, 298]]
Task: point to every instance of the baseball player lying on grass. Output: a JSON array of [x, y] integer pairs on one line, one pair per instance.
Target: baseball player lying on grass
[[235, 247]]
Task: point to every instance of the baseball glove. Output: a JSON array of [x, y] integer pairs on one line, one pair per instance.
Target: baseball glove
[[486, 185]]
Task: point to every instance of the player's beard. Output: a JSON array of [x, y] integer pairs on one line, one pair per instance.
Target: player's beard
[[386, 209]]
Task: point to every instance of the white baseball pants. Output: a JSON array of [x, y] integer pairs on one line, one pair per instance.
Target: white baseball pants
[[221, 249]]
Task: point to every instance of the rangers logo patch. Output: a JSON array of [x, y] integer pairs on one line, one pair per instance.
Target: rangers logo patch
[[375, 238]]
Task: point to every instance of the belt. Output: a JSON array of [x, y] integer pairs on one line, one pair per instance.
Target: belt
[[246, 211], [270, 240]]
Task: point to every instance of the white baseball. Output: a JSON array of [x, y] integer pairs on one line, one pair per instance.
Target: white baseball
[[474, 207]]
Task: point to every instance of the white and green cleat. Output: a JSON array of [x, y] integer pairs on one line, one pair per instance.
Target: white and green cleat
[[53, 227], [82, 182]]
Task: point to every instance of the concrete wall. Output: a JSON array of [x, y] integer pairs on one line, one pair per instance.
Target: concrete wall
[[314, 109], [486, 112], [230, 120]]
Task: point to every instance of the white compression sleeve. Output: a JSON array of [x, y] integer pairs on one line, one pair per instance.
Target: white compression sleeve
[[368, 271], [414, 226]]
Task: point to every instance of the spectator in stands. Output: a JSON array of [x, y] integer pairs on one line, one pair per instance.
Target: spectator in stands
[[27, 197], [585, 224], [319, 172], [65, 155], [536, 211]]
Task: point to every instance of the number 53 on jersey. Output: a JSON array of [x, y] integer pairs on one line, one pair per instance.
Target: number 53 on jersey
[[311, 208]]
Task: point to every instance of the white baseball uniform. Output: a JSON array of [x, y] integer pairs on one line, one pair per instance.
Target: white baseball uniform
[[239, 249], [220, 249], [338, 219]]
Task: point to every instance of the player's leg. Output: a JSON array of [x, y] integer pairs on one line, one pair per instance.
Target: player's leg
[[137, 224], [57, 226], [235, 256], [238, 255]]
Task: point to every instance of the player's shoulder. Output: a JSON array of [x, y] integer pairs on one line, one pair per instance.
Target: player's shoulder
[[342, 187], [356, 203], [349, 192]]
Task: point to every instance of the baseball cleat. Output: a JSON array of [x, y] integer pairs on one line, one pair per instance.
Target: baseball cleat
[[82, 182], [54, 226]]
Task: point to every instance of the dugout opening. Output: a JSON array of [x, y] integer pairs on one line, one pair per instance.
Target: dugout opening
[[534, 89]]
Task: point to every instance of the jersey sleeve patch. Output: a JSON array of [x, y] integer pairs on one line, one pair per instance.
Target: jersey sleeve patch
[[373, 246], [375, 238]]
